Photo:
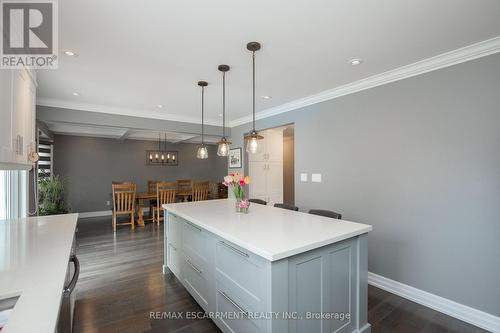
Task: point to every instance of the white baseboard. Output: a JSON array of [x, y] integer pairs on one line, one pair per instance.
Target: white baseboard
[[463, 312], [103, 213], [94, 214]]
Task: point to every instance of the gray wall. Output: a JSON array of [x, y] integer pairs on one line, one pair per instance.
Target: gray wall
[[419, 159], [89, 165]]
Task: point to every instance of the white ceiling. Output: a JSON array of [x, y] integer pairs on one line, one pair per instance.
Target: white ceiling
[[134, 55], [122, 133]]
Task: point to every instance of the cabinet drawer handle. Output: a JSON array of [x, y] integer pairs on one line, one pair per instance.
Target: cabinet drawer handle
[[194, 267], [230, 300], [193, 226], [241, 253]]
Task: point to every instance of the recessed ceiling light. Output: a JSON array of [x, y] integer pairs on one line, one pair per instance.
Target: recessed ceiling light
[[160, 106], [75, 94], [70, 53], [355, 62], [266, 97]]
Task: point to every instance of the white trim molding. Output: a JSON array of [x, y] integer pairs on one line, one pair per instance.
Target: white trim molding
[[85, 215], [463, 312], [142, 113], [447, 59], [101, 213]]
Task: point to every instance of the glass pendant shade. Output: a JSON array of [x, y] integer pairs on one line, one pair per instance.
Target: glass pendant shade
[[253, 144], [202, 153], [223, 147]]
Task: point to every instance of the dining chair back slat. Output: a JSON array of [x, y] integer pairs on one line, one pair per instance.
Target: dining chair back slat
[[123, 201], [152, 185], [165, 193], [184, 185], [200, 191]]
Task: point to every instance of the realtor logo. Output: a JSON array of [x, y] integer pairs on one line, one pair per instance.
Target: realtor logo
[[29, 34]]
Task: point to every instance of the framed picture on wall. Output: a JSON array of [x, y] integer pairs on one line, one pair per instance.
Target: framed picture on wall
[[235, 158]]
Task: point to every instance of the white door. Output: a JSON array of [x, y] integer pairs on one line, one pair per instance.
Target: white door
[[274, 199], [275, 181], [258, 172], [274, 145]]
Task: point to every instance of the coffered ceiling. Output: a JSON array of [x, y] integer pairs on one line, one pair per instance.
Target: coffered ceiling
[[133, 56]]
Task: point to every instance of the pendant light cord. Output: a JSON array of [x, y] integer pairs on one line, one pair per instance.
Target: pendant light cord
[[223, 104], [202, 113], [253, 95]]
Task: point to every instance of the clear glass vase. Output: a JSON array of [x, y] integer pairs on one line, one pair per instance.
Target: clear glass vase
[[238, 208]]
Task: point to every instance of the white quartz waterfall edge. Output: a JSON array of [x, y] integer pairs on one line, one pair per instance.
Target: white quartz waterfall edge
[[463, 312]]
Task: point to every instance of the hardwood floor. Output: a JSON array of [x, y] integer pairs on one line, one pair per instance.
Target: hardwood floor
[[121, 283]]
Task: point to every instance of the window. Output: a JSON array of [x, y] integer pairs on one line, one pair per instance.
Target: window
[[13, 194], [45, 150]]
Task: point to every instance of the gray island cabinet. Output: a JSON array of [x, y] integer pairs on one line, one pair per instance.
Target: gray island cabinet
[[271, 270]]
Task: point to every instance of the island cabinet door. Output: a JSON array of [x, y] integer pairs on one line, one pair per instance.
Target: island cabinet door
[[241, 288], [196, 267], [322, 289], [173, 241]]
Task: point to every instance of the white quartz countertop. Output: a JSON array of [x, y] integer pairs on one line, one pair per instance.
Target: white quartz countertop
[[34, 254], [272, 233]]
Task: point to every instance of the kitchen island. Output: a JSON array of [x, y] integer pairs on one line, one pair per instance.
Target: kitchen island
[[271, 270], [34, 256]]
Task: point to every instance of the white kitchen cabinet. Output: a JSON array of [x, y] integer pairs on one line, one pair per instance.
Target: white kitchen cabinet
[[270, 148], [6, 133], [17, 111], [258, 188], [266, 168]]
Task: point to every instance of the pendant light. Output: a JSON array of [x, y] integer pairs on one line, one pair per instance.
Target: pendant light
[[253, 137], [202, 149], [223, 144]]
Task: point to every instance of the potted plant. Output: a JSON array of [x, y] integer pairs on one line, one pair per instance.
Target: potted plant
[[237, 183], [51, 196]]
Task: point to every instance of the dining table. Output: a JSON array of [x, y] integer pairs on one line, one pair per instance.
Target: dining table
[[141, 197]]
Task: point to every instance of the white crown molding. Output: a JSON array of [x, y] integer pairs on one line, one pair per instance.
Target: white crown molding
[[443, 60], [56, 103], [463, 312]]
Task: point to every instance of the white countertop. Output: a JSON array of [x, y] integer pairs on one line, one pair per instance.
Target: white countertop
[[34, 254], [272, 233]]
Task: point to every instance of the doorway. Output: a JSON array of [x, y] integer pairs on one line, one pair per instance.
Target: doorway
[[272, 167]]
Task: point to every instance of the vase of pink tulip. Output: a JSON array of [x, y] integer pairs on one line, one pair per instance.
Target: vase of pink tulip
[[237, 184]]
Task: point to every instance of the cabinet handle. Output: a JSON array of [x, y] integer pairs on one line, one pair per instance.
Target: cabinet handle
[[194, 267], [230, 300], [241, 253], [71, 286], [193, 226]]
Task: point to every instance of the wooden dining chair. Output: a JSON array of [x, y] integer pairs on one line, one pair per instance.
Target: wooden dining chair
[[184, 188], [200, 191], [165, 194], [152, 203], [123, 203]]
